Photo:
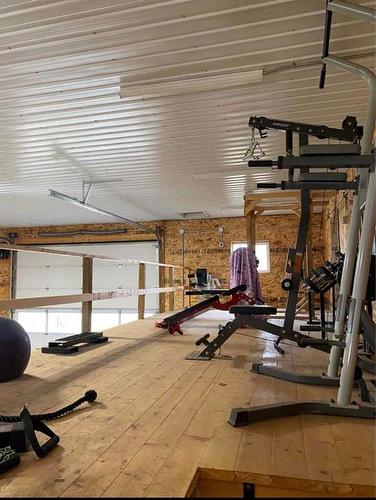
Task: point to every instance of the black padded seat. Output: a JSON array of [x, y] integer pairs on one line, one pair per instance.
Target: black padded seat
[[247, 309]]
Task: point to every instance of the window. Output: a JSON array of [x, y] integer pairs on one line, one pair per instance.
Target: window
[[262, 254]]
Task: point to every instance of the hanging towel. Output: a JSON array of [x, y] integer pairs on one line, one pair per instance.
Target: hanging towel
[[244, 272]]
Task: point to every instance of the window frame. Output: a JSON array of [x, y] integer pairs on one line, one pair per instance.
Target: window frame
[[258, 242]]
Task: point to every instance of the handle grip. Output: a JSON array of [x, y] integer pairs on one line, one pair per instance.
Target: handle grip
[[311, 341], [33, 424], [261, 163], [322, 76], [203, 340], [46, 447], [268, 185]]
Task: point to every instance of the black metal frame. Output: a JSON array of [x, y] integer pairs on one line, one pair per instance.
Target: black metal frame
[[245, 416], [249, 320], [350, 131], [211, 348]]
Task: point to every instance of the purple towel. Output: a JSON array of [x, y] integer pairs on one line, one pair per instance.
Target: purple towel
[[244, 271]]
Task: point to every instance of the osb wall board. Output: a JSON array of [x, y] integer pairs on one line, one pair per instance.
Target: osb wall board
[[201, 248], [201, 242], [336, 219], [39, 235], [5, 282]]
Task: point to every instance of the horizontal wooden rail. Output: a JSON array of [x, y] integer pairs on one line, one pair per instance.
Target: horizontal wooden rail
[[36, 249], [54, 300]]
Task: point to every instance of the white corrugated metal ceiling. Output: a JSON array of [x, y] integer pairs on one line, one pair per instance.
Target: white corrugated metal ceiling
[[62, 120]]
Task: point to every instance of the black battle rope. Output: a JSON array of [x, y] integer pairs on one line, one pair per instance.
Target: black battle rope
[[90, 396]]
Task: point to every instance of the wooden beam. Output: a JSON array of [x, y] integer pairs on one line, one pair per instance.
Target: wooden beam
[[259, 212], [87, 287], [36, 249], [251, 230], [278, 206], [256, 196], [141, 284], [249, 205], [79, 297]]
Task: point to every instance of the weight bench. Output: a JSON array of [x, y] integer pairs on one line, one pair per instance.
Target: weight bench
[[225, 332], [262, 309], [172, 323]]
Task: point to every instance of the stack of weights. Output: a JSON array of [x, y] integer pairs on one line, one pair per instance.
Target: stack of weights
[[325, 277]]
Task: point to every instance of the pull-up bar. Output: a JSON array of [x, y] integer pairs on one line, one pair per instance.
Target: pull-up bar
[[343, 7]]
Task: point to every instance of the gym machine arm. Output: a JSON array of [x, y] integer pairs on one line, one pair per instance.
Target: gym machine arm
[[350, 131]]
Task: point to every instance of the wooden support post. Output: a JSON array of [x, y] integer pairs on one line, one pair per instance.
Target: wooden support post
[[251, 230], [171, 295], [250, 218], [141, 284], [87, 287]]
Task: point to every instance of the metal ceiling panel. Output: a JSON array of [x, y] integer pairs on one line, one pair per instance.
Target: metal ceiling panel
[[62, 120]]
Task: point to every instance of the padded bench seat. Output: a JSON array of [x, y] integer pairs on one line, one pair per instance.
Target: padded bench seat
[[256, 309]]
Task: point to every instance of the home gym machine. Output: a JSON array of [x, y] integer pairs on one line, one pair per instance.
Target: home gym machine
[[324, 278], [173, 323], [350, 132], [358, 254]]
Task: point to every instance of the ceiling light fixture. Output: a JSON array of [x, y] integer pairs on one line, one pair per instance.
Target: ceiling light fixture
[[189, 85], [101, 211], [194, 215]]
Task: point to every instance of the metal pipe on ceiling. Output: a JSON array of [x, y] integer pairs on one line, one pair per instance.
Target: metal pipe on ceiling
[[101, 211]]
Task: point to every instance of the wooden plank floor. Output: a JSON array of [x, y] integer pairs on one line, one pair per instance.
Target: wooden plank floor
[[160, 418]]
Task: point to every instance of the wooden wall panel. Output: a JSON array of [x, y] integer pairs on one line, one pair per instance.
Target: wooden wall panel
[[5, 282], [202, 249]]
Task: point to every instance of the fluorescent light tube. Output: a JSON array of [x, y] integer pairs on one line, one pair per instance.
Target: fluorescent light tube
[[189, 85]]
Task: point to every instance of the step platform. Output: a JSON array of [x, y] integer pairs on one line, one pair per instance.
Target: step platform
[[71, 344]]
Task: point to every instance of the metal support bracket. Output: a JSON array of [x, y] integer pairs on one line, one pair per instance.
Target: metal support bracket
[[245, 416], [211, 348]]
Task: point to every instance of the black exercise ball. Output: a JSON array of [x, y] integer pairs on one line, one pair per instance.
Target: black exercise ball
[[15, 349]]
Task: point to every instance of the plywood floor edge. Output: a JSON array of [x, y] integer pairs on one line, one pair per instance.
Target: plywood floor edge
[[286, 482]]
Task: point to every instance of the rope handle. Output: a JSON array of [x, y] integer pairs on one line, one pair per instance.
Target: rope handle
[[89, 397]]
